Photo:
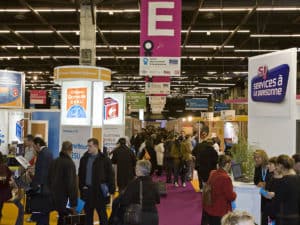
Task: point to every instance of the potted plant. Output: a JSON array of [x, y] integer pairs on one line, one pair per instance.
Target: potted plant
[[243, 153]]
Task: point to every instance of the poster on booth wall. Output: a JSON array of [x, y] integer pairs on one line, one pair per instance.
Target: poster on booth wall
[[4, 131], [38, 97], [12, 87], [76, 103], [160, 29], [114, 108], [111, 135], [16, 126], [78, 135]]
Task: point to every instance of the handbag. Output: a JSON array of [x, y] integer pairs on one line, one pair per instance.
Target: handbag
[[133, 213]]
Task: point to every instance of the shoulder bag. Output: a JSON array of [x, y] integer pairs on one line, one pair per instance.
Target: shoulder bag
[[133, 213]]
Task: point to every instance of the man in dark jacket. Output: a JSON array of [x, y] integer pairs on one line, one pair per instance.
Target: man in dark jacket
[[41, 202], [125, 160], [95, 172], [63, 182], [206, 157]]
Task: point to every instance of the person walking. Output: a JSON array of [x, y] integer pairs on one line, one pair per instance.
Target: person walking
[[150, 194], [41, 201], [125, 161], [222, 193], [95, 174], [63, 182], [206, 157]]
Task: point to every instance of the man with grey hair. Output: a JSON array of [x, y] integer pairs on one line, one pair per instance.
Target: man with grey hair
[[237, 218]]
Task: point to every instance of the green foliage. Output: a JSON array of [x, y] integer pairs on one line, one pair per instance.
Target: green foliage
[[243, 153]]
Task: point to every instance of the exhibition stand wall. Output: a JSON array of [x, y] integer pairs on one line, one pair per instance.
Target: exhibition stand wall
[[81, 105], [272, 102]]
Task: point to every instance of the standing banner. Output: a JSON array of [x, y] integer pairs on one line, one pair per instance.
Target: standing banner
[[12, 88], [160, 38], [38, 97], [78, 135]]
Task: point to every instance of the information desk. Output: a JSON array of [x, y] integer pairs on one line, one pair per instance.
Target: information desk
[[248, 199]]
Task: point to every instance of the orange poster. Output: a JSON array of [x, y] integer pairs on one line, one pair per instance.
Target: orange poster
[[76, 102]]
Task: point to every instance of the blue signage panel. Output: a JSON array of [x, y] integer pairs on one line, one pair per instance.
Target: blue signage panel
[[270, 85], [196, 104], [221, 106]]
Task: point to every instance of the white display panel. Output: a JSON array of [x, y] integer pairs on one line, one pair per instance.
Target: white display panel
[[76, 103], [4, 131], [113, 106], [98, 104], [111, 134], [78, 135]]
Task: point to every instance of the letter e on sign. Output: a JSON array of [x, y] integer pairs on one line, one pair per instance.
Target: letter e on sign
[[153, 18]]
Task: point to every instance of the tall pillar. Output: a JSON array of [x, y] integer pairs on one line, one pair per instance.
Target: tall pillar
[[87, 35]]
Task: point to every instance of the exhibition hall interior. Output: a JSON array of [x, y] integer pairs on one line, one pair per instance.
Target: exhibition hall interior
[[150, 74]]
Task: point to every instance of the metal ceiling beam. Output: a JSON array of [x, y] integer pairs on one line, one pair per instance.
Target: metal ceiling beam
[[101, 35], [44, 21], [194, 19], [238, 27]]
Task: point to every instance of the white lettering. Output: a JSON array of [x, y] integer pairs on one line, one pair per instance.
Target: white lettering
[[153, 18]]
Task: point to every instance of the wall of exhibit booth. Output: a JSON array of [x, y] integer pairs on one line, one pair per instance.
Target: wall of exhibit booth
[[16, 124]]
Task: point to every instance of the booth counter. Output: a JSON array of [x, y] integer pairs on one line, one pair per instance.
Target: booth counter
[[248, 199]]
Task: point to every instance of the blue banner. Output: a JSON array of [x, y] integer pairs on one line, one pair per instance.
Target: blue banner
[[196, 104], [53, 129], [221, 106], [270, 85]]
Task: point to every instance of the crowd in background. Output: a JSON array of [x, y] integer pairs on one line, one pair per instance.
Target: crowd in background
[[129, 169]]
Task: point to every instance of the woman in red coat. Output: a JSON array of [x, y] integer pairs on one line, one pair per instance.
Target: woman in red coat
[[5, 189], [222, 193]]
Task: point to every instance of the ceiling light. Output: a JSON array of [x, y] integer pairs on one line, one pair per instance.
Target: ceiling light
[[99, 58], [111, 13], [34, 31], [34, 77], [255, 50], [243, 9], [207, 33], [4, 31], [125, 48], [274, 35], [77, 33]]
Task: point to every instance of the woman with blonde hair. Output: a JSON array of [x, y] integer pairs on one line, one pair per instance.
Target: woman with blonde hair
[[237, 218]]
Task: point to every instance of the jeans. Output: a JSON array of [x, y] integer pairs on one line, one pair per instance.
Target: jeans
[[20, 218]]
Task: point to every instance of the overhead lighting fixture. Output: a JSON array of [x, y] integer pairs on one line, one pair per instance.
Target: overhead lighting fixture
[[255, 50], [4, 31], [243, 9], [34, 31], [275, 35]]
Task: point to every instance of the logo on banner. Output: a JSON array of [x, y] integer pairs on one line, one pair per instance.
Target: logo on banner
[[270, 85], [76, 102]]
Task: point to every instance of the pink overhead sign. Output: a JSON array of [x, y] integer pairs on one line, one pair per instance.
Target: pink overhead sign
[[160, 37]]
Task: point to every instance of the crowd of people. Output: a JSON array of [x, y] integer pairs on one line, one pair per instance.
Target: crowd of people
[[129, 169]]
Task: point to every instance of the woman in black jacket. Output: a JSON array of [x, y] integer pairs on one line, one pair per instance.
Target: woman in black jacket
[[285, 205], [149, 192]]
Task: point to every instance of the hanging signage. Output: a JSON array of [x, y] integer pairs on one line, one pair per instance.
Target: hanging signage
[[157, 88], [157, 100], [196, 104], [135, 101], [12, 86], [76, 106], [113, 111], [160, 29], [221, 106], [227, 114], [269, 85], [38, 97]]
